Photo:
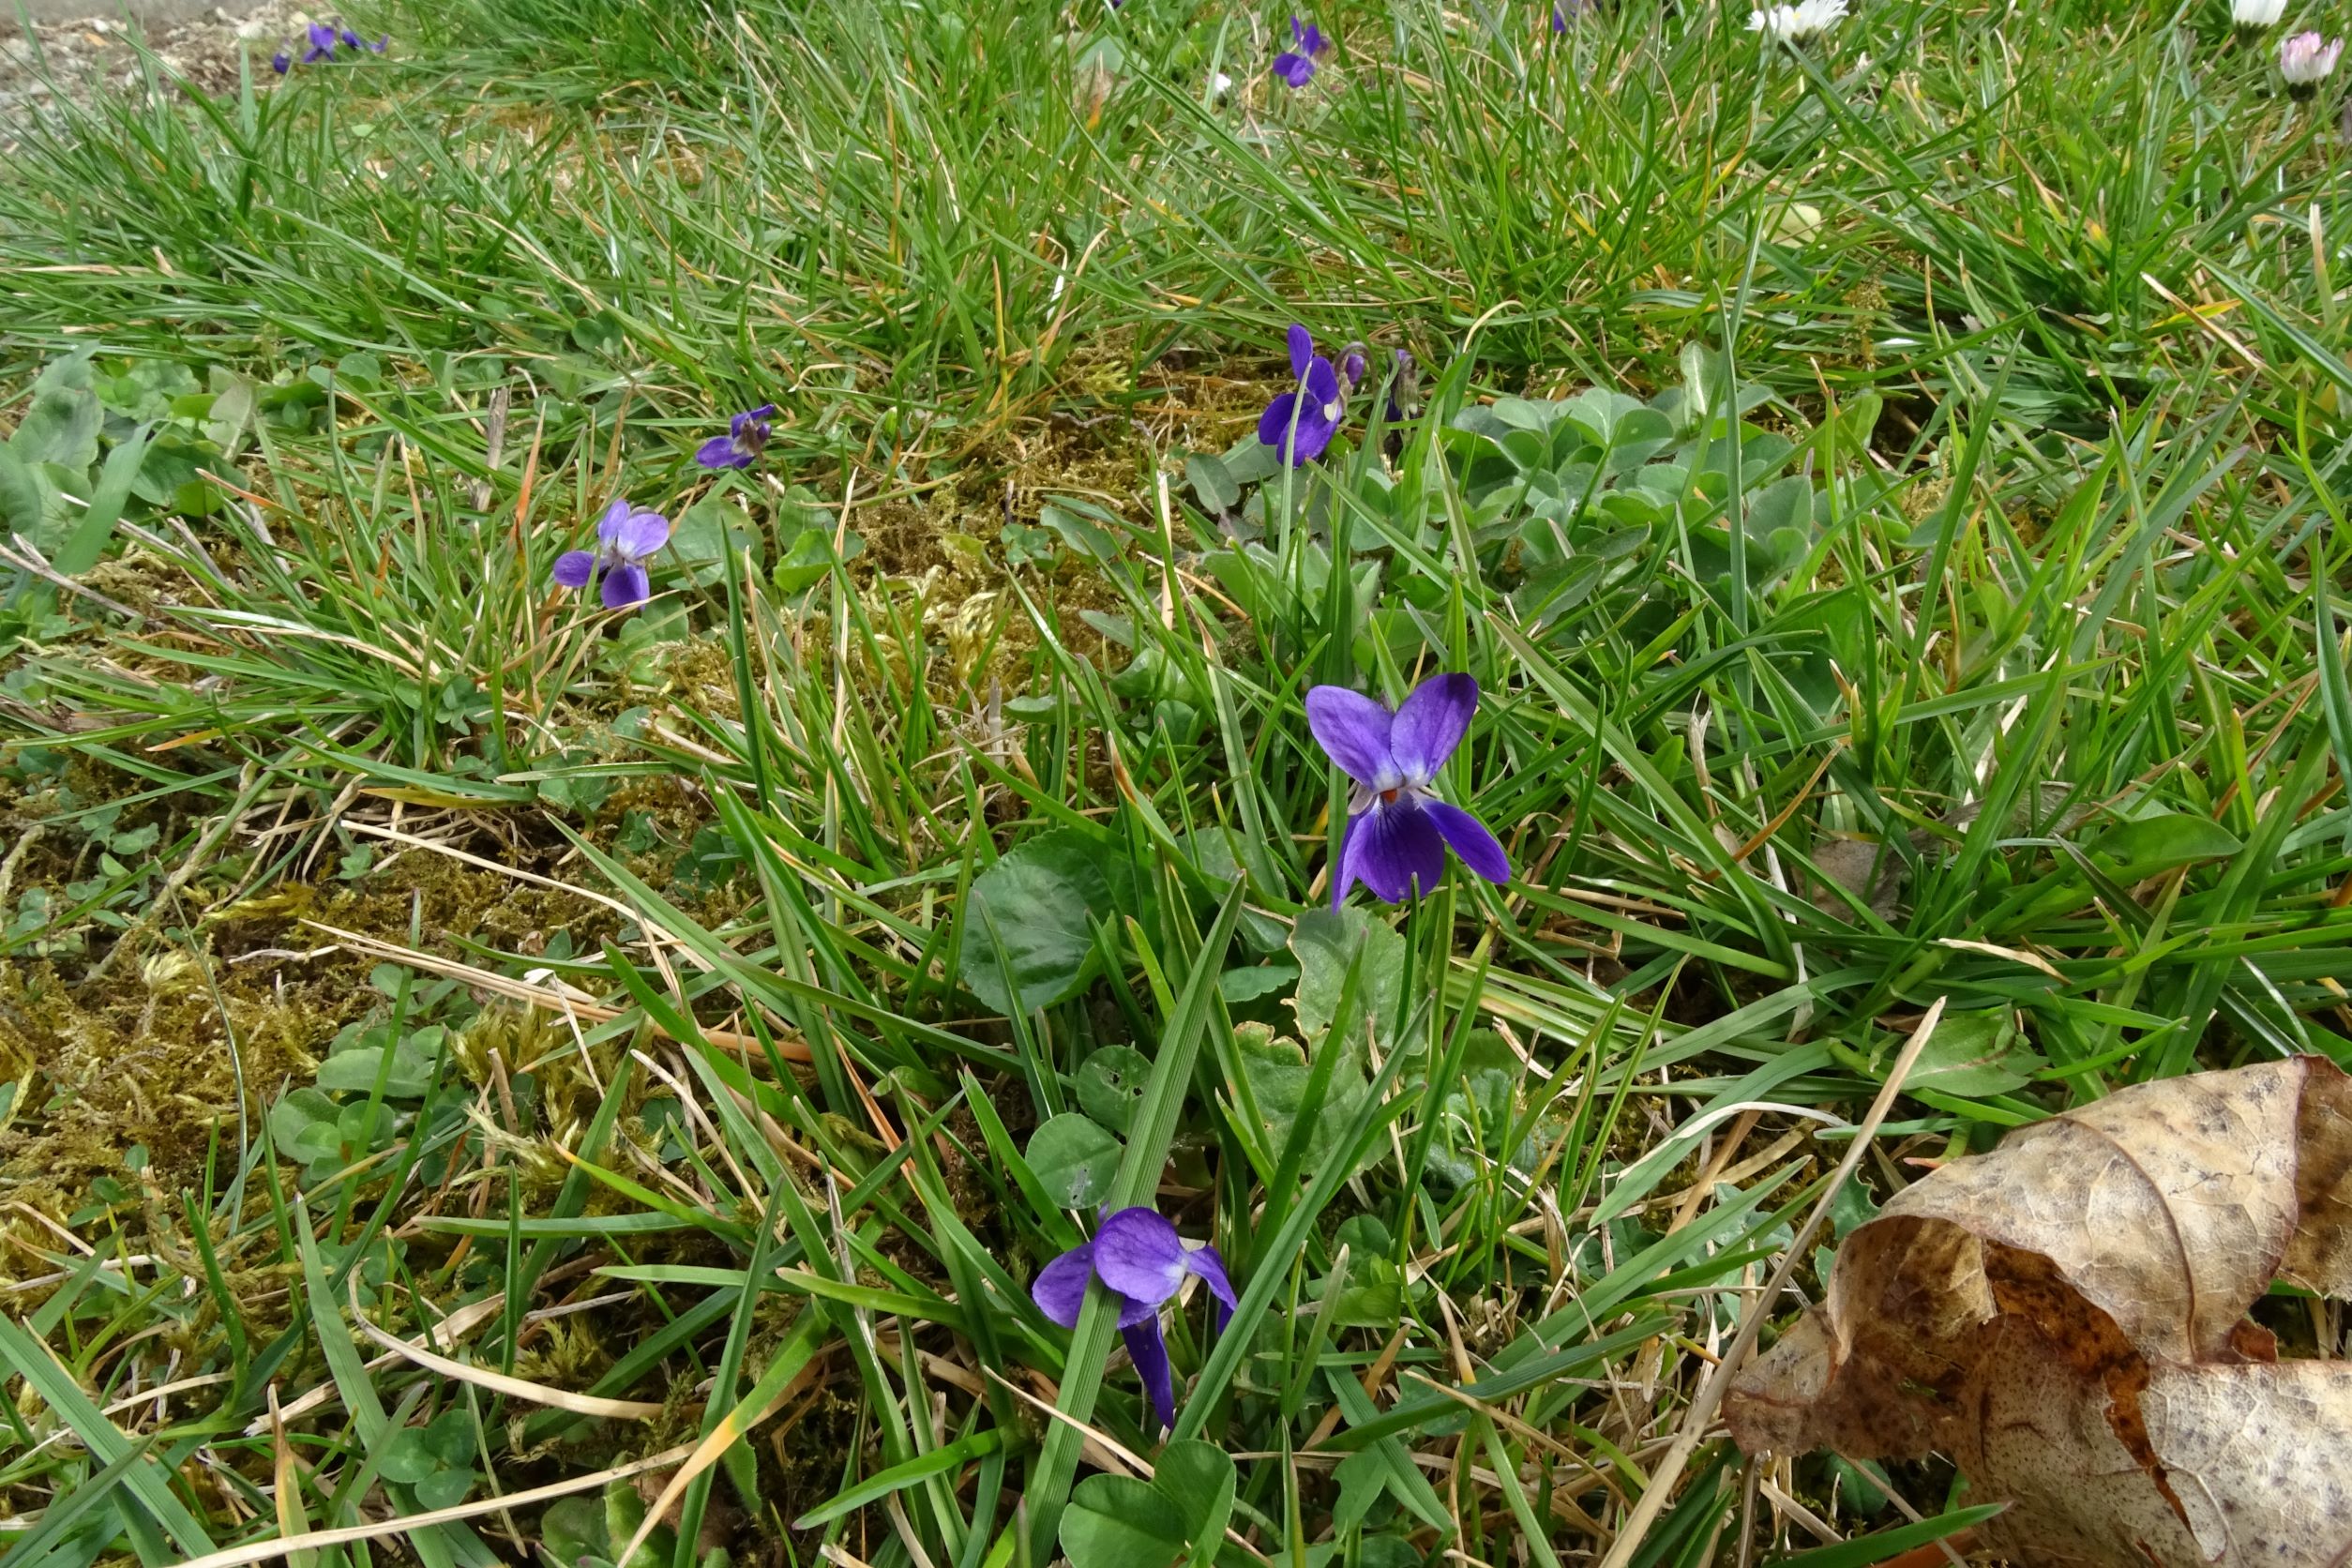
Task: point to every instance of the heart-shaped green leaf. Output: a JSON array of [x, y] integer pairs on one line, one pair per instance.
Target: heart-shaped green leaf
[[1115, 1522], [1072, 1159]]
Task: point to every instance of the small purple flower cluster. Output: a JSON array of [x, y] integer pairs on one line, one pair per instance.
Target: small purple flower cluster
[[1398, 829], [1296, 65], [627, 536], [1396, 842], [323, 38]]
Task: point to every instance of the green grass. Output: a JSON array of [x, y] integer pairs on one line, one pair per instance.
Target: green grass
[[1940, 597]]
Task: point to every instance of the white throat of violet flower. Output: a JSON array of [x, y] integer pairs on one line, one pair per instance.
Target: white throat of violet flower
[[1386, 793]]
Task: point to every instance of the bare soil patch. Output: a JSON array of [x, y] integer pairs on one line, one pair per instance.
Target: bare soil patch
[[74, 49]]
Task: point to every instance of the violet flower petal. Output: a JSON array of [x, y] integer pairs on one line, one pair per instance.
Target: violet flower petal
[[1059, 1287], [1477, 847], [1204, 1262], [1430, 723], [1396, 848], [1349, 871], [626, 585], [1320, 385], [281, 62], [641, 532], [1139, 1254], [1149, 1353], [1274, 426], [1343, 876], [1308, 419], [1296, 69], [720, 451], [1354, 731], [1314, 437], [574, 567], [1309, 437], [608, 526], [1301, 350]]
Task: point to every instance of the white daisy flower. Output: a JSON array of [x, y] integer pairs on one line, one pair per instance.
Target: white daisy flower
[[2253, 16], [1794, 24]]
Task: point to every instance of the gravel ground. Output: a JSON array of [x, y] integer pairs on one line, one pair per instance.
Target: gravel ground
[[78, 56]]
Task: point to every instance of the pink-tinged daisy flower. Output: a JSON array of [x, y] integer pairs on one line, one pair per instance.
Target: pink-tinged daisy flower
[[2306, 60]]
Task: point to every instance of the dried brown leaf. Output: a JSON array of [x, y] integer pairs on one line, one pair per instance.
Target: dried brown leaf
[[1862, 868], [2065, 1318]]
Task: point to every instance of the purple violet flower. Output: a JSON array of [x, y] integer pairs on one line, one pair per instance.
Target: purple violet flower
[[1397, 828], [1305, 419], [626, 537], [321, 45], [350, 39], [1296, 65], [1352, 366], [1141, 1261], [281, 62], [747, 433], [383, 41]]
